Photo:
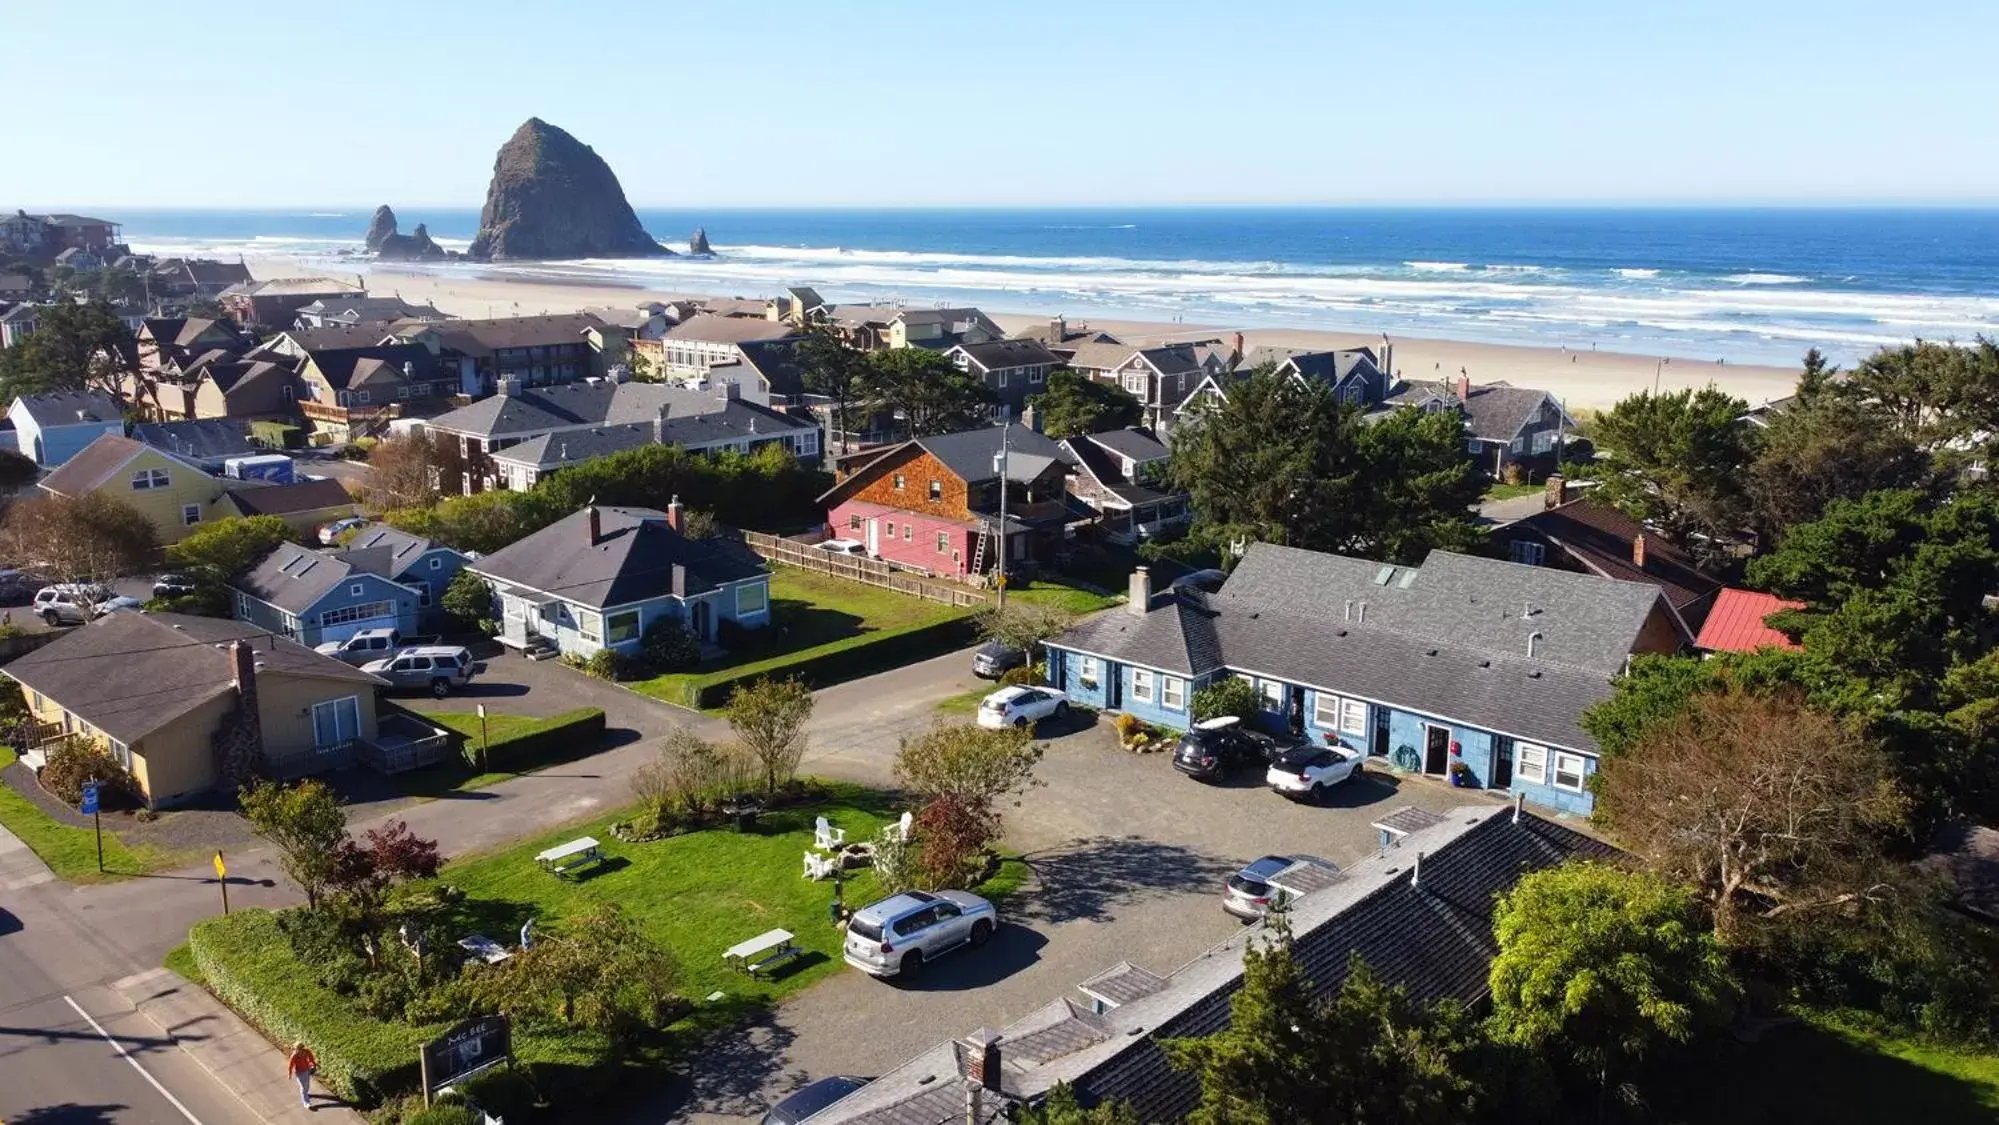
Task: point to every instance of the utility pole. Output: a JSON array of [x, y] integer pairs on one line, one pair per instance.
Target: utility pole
[[999, 466]]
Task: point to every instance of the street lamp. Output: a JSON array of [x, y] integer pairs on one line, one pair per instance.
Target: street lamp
[[1000, 460]]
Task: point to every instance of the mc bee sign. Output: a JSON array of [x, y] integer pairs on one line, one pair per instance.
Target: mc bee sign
[[465, 1050]]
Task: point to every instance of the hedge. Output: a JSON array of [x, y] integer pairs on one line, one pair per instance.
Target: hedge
[[555, 736], [880, 651], [247, 962]]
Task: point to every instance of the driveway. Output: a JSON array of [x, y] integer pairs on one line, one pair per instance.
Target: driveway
[[1128, 859]]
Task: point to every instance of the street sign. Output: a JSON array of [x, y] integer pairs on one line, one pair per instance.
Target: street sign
[[221, 871], [89, 805], [465, 1050]]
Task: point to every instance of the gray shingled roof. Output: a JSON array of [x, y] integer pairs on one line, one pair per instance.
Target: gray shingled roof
[[636, 557], [399, 549], [1495, 411], [69, 408], [1009, 353], [534, 410], [1179, 634], [293, 578], [970, 453], [1135, 444], [734, 421], [203, 438], [709, 328]]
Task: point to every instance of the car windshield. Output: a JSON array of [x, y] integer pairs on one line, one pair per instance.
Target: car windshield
[[865, 928], [1244, 884]]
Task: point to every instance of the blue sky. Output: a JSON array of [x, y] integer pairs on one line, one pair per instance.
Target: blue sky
[[1023, 102]]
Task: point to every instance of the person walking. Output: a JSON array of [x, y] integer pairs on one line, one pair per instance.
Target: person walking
[[301, 1066]]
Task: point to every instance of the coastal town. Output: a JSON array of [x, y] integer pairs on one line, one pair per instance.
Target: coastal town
[[810, 705]]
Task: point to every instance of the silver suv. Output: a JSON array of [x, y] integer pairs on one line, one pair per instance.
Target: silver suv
[[896, 936], [439, 670], [70, 603]]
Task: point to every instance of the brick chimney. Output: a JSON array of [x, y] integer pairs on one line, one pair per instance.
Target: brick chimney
[[596, 524], [676, 515], [1557, 493], [1464, 387], [659, 423], [982, 1058], [243, 672], [1638, 550], [1239, 353], [1141, 593]]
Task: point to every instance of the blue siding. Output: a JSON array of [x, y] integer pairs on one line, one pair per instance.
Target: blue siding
[[60, 443], [436, 580], [1114, 679]]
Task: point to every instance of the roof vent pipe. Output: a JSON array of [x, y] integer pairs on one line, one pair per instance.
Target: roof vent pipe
[[1360, 613], [1349, 609], [1533, 639], [1519, 804], [1416, 872]]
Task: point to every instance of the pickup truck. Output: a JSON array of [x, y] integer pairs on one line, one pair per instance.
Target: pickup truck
[[368, 645]]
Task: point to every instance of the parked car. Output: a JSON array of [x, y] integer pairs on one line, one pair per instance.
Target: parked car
[[993, 659], [802, 1104], [1309, 771], [329, 534], [1206, 581], [1021, 706], [1274, 883], [173, 586], [69, 603], [843, 547], [899, 935], [366, 645], [17, 588], [1221, 746], [440, 670], [122, 601]]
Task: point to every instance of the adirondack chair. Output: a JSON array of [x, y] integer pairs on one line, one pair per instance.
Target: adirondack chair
[[819, 867], [903, 826], [825, 837]]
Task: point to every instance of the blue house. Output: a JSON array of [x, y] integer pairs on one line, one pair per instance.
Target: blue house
[[427, 568], [318, 596], [54, 427], [1461, 662], [601, 577]]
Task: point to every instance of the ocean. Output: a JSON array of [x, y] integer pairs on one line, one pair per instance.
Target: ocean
[[1748, 285]]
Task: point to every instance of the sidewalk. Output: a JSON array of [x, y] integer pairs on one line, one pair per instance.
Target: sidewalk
[[231, 1051], [20, 867]]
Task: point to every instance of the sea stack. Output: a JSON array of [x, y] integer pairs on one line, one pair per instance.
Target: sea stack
[[699, 243], [552, 196], [385, 243], [381, 228]]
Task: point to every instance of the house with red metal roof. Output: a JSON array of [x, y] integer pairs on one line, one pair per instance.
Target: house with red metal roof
[[1735, 623]]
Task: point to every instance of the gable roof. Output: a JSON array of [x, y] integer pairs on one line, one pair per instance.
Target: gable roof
[[287, 499], [130, 673], [295, 578], [345, 367], [1097, 356], [709, 328], [484, 337], [776, 361], [384, 550], [294, 287], [1494, 412], [91, 467], [1433, 938], [1008, 353], [1600, 538], [533, 410], [1735, 623], [1131, 442], [71, 408], [204, 438], [635, 557]]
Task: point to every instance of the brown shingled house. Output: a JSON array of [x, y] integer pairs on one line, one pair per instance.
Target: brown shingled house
[[1595, 538]]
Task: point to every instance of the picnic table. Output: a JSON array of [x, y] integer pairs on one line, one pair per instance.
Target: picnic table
[[484, 948], [572, 857], [767, 950]]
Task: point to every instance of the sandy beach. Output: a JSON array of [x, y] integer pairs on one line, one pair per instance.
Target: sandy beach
[[1584, 379]]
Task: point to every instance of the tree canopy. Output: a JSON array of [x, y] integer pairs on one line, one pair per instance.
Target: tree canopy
[[1076, 404], [1676, 461], [218, 550], [929, 391], [90, 538], [74, 347]]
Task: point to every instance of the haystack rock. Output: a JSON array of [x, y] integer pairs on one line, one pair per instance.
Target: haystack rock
[[384, 242], [699, 243], [552, 196], [380, 228]]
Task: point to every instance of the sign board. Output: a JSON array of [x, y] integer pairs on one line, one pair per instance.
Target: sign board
[[465, 1050], [221, 872], [89, 805]]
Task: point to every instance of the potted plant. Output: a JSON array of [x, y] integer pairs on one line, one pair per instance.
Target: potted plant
[[1461, 775]]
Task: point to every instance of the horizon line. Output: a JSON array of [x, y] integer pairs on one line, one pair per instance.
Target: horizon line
[[1968, 204]]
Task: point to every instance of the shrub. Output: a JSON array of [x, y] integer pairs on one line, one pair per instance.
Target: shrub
[[951, 834], [1026, 675], [443, 1113], [898, 862], [469, 602], [76, 760], [1232, 696], [555, 735], [669, 647], [605, 664]]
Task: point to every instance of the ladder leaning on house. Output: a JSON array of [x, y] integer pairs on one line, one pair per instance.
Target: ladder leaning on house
[[979, 553]]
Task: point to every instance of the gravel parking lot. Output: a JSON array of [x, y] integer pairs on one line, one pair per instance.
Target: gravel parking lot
[[1128, 857]]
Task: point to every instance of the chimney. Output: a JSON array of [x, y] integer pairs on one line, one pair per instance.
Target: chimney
[[1464, 387], [1140, 601], [1387, 361], [1058, 330], [1416, 872], [659, 423], [1030, 417], [1238, 345], [243, 671], [1360, 613], [596, 524], [679, 581], [506, 385], [1638, 550], [982, 1058], [675, 514], [1557, 493]]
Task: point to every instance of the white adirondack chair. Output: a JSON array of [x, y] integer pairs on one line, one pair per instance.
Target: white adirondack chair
[[826, 837], [903, 826], [819, 867]]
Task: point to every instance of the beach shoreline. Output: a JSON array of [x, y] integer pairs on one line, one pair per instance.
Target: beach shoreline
[[1583, 380]]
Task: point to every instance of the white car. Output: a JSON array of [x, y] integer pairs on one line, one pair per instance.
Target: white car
[[843, 547], [69, 603], [1309, 771], [1021, 706]]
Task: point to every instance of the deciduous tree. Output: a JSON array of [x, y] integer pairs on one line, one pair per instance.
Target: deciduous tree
[[964, 773], [598, 969], [1022, 625], [768, 717], [469, 601], [226, 547], [305, 823], [407, 472], [85, 539], [1076, 404]]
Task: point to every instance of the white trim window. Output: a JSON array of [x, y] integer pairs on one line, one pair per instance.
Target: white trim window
[[590, 626], [1530, 763], [436, 563], [347, 614], [1173, 693], [1037, 376], [1568, 772], [1325, 709], [145, 480], [1353, 717], [190, 514], [1086, 673], [336, 721], [355, 590], [1141, 685], [751, 598], [1272, 693]]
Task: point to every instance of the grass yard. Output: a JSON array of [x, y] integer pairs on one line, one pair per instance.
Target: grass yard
[[1841, 1069], [69, 851], [964, 705], [501, 731], [818, 616], [1499, 490], [1069, 599]]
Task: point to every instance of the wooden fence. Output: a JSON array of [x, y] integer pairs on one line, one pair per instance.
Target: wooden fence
[[854, 568]]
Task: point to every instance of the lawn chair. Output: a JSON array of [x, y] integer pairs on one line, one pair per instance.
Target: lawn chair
[[825, 837], [903, 826], [819, 867]]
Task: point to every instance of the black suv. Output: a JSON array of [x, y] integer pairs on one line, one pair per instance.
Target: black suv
[[1219, 747]]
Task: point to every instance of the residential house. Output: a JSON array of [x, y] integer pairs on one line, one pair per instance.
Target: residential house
[[1121, 475], [17, 322], [932, 503], [720, 418], [1160, 378], [55, 426], [173, 494], [705, 341], [166, 693], [530, 350], [1463, 663], [351, 392], [275, 302], [861, 327], [799, 306], [207, 443], [78, 258], [1738, 622], [602, 577], [196, 277], [1013, 370], [314, 596], [1590, 536], [250, 388], [940, 329], [1504, 424], [1418, 913], [168, 344], [363, 311], [1354, 375], [49, 236], [304, 505], [647, 320], [1063, 338], [16, 287], [21, 234], [425, 566]]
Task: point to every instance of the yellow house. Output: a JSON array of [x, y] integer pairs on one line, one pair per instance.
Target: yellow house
[[174, 495], [172, 696]]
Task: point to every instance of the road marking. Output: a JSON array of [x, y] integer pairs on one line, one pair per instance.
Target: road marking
[[120, 1048]]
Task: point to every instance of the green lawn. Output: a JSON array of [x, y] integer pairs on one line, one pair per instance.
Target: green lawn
[[1072, 599], [1503, 491], [71, 852], [1840, 1069], [965, 704], [816, 616], [453, 776]]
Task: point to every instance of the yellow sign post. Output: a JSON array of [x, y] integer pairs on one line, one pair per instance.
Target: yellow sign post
[[222, 877]]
